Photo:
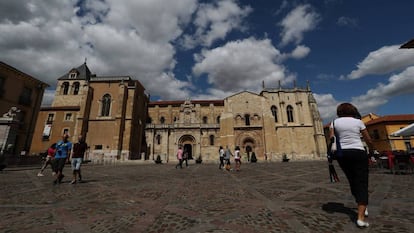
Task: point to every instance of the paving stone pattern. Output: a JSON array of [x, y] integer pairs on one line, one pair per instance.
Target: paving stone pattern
[[262, 197]]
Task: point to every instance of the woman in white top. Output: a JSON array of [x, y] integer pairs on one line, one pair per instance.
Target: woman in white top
[[237, 160], [353, 158]]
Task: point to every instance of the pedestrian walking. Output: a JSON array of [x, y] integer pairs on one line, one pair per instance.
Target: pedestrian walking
[[49, 160], [63, 148], [185, 158], [79, 150], [227, 155], [221, 157], [179, 157], [352, 157], [237, 159]]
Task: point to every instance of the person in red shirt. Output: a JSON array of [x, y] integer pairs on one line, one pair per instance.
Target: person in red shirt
[[179, 157], [49, 160]]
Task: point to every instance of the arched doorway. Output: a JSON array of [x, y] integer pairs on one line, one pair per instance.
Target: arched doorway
[[188, 142], [248, 145], [188, 148]]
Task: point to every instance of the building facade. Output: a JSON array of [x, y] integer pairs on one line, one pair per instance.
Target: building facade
[[20, 99], [381, 128], [271, 124], [108, 111]]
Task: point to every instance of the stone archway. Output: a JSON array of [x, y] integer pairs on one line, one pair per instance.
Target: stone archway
[[188, 143], [250, 140], [248, 146]]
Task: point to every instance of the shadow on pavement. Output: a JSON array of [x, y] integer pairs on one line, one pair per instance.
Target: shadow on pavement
[[332, 207], [12, 169]]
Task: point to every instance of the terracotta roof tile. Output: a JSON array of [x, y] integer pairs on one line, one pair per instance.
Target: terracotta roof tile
[[392, 118]]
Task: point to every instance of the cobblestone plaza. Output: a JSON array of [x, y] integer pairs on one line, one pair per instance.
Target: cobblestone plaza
[[262, 197]]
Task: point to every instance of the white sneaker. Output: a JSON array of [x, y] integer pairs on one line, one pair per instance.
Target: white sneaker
[[362, 224], [366, 212], [40, 174]]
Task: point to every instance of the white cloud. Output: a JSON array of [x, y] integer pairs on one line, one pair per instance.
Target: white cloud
[[383, 61], [214, 21], [139, 38], [212, 94], [242, 65], [327, 106], [159, 21], [117, 37], [399, 84], [29, 10], [300, 20], [168, 87], [300, 52]]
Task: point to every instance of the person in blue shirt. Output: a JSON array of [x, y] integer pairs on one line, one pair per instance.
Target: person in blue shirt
[[63, 149]]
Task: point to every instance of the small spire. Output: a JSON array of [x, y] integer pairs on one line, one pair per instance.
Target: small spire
[[85, 60], [263, 85]]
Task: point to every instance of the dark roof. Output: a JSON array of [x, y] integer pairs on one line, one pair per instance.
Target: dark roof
[[110, 78], [392, 118], [83, 73], [44, 85], [179, 102], [408, 45]]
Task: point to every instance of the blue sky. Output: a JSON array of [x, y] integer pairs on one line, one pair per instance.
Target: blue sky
[[348, 50]]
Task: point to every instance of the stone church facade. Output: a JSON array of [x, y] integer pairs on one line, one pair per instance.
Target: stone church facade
[[273, 123], [108, 111]]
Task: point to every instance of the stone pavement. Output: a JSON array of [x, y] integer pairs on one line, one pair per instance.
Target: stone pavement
[[262, 197]]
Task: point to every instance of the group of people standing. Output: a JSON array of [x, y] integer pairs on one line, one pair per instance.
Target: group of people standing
[[224, 156], [60, 153]]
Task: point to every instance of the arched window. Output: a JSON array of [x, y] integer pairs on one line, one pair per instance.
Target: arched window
[[158, 139], [76, 88], [211, 140], [218, 120], [162, 120], [274, 112], [175, 119], [149, 120], [289, 111], [247, 119], [65, 87], [204, 120], [106, 105]]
